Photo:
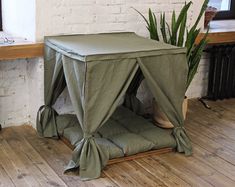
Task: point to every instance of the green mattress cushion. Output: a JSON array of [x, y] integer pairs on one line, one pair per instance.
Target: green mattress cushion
[[113, 150], [111, 128], [161, 138], [74, 134], [130, 120], [131, 143], [125, 133]]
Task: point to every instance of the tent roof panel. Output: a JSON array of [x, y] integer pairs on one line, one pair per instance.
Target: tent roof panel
[[98, 46]]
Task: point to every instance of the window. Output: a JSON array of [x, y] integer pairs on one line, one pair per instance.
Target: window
[[0, 15], [226, 8]]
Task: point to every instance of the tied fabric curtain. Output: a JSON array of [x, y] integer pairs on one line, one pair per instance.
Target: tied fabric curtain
[[98, 70], [54, 83], [166, 77], [95, 89]]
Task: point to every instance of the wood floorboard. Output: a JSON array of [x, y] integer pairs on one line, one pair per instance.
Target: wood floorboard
[[214, 161], [28, 160], [184, 173], [165, 174], [5, 179], [201, 169]]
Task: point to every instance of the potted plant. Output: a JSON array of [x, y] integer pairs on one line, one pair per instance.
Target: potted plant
[[178, 34]]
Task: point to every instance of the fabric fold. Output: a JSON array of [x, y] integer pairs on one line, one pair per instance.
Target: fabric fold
[[168, 89], [95, 93], [47, 115], [182, 140], [54, 84], [89, 158]]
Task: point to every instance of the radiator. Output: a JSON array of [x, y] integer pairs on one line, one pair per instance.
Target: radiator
[[222, 72]]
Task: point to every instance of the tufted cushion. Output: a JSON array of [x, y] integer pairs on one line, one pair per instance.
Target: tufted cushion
[[113, 150], [160, 137], [74, 134], [130, 120], [131, 143], [111, 128]]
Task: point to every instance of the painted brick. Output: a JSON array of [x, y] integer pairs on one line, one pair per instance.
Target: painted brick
[[14, 92]]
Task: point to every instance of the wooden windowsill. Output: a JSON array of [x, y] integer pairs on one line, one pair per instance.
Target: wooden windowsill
[[220, 32], [24, 50]]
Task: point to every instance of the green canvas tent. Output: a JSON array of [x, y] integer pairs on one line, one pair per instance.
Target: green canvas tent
[[99, 70]]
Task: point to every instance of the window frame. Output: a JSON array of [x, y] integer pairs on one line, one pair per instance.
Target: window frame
[[224, 15]]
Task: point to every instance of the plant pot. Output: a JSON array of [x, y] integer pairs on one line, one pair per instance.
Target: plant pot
[[210, 13], [161, 120]]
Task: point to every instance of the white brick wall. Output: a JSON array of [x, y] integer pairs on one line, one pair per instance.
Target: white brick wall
[[21, 81], [95, 16], [35, 86], [198, 87], [14, 106]]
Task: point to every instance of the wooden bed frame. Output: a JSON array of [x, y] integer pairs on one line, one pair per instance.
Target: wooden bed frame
[[126, 158]]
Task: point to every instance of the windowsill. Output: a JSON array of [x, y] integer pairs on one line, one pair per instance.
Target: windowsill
[[20, 48], [222, 26], [221, 31]]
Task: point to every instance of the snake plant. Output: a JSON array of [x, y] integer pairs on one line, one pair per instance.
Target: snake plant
[[178, 34]]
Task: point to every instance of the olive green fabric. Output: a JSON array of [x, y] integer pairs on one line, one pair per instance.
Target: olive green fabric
[[98, 70], [129, 120], [113, 150], [130, 135], [54, 84], [168, 86], [95, 92], [161, 138], [111, 128], [131, 143], [65, 121], [74, 134], [110, 46]]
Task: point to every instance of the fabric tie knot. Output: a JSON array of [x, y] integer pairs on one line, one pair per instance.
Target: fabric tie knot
[[44, 107], [182, 140], [88, 136], [178, 129], [46, 116]]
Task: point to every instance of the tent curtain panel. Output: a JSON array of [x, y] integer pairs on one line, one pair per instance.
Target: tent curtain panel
[[97, 83], [168, 87], [95, 90], [54, 82]]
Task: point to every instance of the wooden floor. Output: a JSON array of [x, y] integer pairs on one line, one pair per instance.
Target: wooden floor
[[27, 160]]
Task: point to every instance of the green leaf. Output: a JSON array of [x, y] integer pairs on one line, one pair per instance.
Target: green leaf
[[191, 41], [195, 58], [151, 24], [194, 27], [178, 22], [163, 27], [142, 16], [169, 32], [173, 19], [203, 9], [182, 31]]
